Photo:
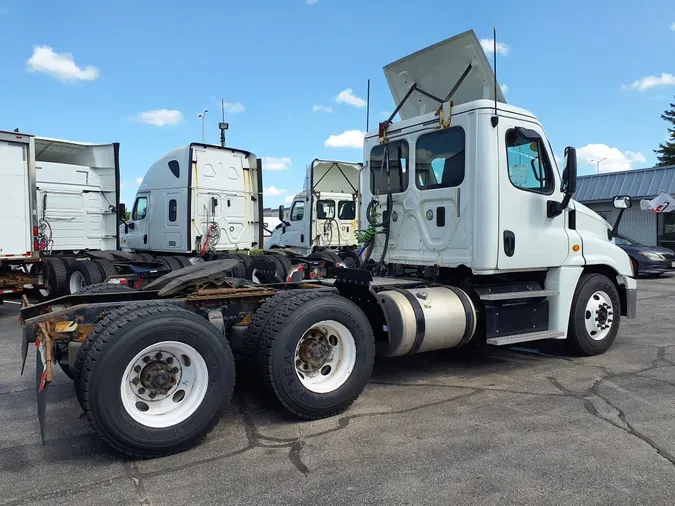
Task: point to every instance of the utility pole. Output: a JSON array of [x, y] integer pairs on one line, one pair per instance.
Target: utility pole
[[222, 125], [203, 117], [597, 163]]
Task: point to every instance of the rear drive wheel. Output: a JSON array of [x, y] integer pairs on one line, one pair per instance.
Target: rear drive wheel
[[283, 265], [258, 269], [239, 270], [143, 257], [169, 262], [156, 381], [84, 273], [183, 261], [106, 267], [317, 354], [350, 259], [54, 278], [595, 316]]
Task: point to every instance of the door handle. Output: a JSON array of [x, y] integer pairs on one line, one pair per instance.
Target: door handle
[[509, 243]]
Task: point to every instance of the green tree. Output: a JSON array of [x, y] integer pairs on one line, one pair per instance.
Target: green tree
[[666, 151]]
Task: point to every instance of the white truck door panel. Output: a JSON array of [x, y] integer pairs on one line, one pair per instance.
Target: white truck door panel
[[173, 212], [14, 200], [137, 237], [528, 239]]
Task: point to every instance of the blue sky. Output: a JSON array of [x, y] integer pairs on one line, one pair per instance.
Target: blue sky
[[597, 73]]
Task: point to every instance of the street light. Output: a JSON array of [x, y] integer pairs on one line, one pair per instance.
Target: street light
[[597, 162], [203, 117]]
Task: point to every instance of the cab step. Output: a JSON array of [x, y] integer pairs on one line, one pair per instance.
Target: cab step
[[525, 294], [522, 338]]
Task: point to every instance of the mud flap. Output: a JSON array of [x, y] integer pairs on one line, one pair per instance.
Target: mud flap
[[41, 384]]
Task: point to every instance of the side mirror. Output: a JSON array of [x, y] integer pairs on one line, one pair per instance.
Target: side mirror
[[121, 212], [570, 171], [281, 213], [622, 202]]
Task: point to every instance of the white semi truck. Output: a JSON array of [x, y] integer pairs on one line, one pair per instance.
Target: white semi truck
[[68, 193], [323, 218], [473, 240]]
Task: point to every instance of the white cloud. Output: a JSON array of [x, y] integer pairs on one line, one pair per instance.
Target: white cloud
[[672, 26], [289, 198], [648, 82], [505, 88], [233, 108], [347, 97], [160, 117], [59, 65], [614, 159], [347, 139], [311, 2], [322, 108], [273, 191], [273, 163], [139, 180], [488, 47]]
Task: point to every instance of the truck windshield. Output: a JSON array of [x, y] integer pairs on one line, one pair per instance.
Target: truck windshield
[[347, 210]]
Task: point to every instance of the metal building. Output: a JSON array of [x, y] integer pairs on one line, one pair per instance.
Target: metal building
[[597, 191]]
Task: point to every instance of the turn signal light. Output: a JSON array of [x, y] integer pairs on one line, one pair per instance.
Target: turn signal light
[[35, 231], [575, 247]]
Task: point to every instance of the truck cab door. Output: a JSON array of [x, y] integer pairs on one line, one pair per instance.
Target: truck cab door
[[294, 235], [528, 238], [137, 236]]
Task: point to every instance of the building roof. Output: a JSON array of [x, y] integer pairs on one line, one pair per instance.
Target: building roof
[[638, 183]]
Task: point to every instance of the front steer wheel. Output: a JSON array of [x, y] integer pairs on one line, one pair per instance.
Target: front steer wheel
[[156, 381], [595, 316], [316, 354]]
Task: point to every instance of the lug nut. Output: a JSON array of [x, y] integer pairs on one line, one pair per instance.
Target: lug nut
[[135, 381], [141, 390], [175, 369], [158, 356], [137, 368], [146, 359], [169, 360], [152, 395]]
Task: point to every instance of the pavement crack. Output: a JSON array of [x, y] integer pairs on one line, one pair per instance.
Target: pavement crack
[[294, 455], [463, 387], [132, 471]]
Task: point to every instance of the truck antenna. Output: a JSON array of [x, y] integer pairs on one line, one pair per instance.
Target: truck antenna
[[222, 125], [495, 118], [368, 107]]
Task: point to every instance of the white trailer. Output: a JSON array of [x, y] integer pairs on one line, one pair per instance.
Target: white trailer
[[324, 216], [474, 240]]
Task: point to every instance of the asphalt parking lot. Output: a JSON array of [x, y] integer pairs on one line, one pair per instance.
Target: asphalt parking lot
[[497, 426]]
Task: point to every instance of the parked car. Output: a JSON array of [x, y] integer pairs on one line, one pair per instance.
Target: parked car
[[647, 260]]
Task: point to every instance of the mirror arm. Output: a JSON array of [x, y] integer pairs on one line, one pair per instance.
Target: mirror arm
[[615, 229], [554, 208]]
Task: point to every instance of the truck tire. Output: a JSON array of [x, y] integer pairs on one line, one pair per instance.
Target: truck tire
[[238, 271], [105, 288], [106, 267], [171, 263], [156, 381], [317, 354], [83, 273], [255, 266], [595, 316], [258, 323], [350, 259], [143, 257], [99, 329], [69, 261], [246, 259], [327, 256], [283, 265], [183, 261], [55, 276]]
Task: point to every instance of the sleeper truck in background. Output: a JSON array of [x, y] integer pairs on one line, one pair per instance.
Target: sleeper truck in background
[[474, 239]]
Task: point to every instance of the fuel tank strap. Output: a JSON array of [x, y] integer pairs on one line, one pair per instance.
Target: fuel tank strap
[[420, 324], [468, 311]]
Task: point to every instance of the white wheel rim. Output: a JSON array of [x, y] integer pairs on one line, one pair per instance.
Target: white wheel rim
[[325, 357], [44, 281], [599, 316], [164, 384], [254, 277], [77, 282]]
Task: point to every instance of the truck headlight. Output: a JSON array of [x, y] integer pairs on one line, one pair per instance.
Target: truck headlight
[[652, 256]]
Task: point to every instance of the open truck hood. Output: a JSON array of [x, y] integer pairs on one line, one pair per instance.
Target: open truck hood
[[436, 69], [332, 176]]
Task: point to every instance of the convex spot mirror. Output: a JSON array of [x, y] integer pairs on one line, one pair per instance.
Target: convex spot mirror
[[622, 202]]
